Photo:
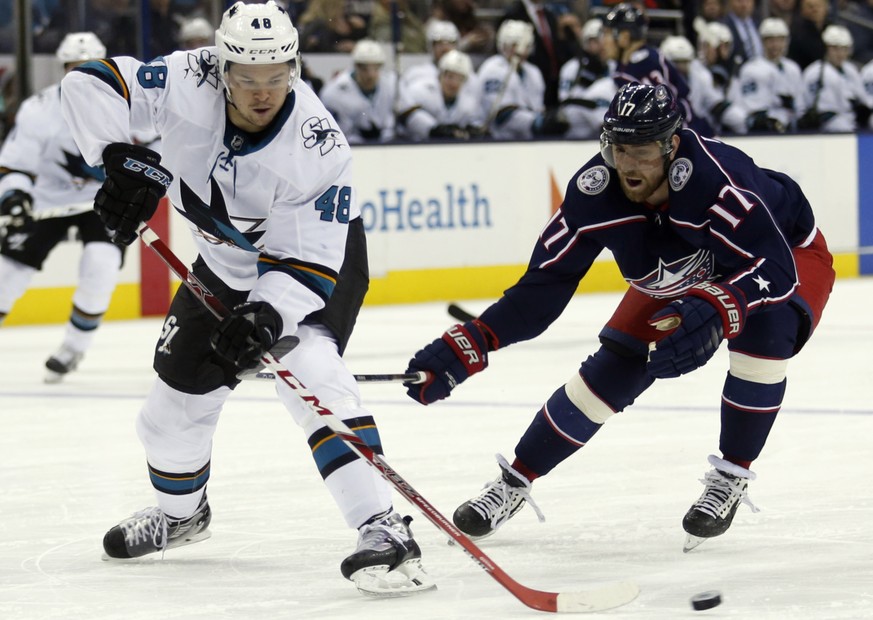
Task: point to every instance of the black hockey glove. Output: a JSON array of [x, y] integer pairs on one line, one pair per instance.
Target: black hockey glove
[[862, 113], [707, 314], [135, 183], [247, 333], [814, 119], [449, 360], [371, 133], [760, 122], [551, 123], [18, 205], [449, 132]]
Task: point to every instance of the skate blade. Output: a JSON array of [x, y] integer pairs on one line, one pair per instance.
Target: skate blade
[[407, 579], [178, 542], [692, 542]]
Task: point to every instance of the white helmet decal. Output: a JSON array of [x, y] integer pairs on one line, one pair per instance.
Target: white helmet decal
[[80, 46]]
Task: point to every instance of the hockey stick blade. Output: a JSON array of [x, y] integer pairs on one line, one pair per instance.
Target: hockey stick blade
[[409, 377], [457, 312], [605, 597]]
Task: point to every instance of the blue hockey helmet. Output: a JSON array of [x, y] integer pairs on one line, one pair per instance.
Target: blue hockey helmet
[[640, 114], [626, 16]]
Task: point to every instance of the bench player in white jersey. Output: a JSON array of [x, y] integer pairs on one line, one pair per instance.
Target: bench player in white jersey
[[770, 87], [42, 170], [442, 37], [586, 87], [439, 108], [256, 164], [513, 89], [362, 98]]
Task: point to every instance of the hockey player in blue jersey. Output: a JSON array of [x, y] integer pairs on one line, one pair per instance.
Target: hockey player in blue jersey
[[713, 248]]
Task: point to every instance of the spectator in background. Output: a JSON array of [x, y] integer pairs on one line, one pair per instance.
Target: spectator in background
[[805, 44], [556, 40], [332, 26], [862, 35], [438, 107], [786, 10], [476, 37], [740, 18], [196, 32], [361, 99], [587, 87], [835, 99], [412, 34], [163, 29]]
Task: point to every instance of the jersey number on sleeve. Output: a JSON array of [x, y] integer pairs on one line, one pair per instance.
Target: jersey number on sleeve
[[335, 203], [152, 76]]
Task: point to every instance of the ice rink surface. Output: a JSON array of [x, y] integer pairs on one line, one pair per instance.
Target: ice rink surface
[[72, 467]]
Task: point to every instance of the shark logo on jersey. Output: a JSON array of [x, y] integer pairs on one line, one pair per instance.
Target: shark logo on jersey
[[594, 180], [203, 68], [674, 278], [317, 132], [81, 172], [680, 172], [213, 222]]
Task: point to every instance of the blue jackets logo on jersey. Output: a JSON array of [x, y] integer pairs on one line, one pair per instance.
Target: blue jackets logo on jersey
[[674, 278], [680, 172], [594, 180]]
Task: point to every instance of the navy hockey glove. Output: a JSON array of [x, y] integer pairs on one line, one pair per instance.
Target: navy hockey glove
[[18, 205], [247, 333], [449, 360], [135, 183], [708, 314]]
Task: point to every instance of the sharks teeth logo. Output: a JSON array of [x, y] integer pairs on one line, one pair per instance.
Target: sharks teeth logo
[[317, 132], [594, 180], [680, 172]]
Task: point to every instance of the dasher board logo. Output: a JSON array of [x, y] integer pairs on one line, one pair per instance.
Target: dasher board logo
[[680, 172], [594, 180]]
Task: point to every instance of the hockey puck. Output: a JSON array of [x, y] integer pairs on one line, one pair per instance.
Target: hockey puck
[[706, 600]]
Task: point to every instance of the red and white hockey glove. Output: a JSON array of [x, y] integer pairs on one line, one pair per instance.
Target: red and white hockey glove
[[449, 360], [707, 314]]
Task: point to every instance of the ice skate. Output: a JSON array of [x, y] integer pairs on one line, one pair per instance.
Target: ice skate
[[496, 504], [712, 514], [387, 561], [64, 361], [150, 530]]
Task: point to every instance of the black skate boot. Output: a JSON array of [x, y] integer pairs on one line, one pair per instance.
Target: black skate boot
[[497, 504], [712, 514], [387, 561], [64, 361], [150, 530]]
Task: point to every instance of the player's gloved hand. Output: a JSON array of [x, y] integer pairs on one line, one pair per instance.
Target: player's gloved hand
[[477, 132], [551, 123], [448, 132], [135, 183], [18, 205], [449, 360], [247, 333], [709, 313], [759, 121], [371, 133]]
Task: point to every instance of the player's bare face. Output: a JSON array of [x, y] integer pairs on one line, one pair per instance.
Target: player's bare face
[[258, 92], [367, 75], [641, 172]]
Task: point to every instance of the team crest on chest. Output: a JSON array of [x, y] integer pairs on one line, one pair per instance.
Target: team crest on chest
[[594, 180], [680, 172]]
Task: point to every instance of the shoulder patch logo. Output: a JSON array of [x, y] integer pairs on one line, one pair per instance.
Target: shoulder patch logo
[[680, 172], [594, 180], [317, 132]]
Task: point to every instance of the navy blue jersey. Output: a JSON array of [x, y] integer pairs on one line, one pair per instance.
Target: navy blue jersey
[[726, 219]]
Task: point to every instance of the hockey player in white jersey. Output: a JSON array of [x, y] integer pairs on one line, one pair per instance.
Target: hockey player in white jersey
[[770, 87], [834, 96], [586, 86], [42, 172], [442, 37], [362, 98], [439, 108], [513, 89], [258, 167]]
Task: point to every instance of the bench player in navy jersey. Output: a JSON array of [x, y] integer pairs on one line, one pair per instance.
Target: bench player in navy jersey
[[713, 247]]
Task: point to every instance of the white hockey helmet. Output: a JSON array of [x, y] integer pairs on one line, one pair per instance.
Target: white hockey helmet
[[773, 27], [80, 46], [837, 36], [592, 29], [715, 33], [515, 36], [440, 30], [258, 34], [456, 62], [677, 49], [368, 52], [196, 28]]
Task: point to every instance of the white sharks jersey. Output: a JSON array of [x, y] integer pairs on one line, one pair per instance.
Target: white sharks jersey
[[269, 211], [522, 101], [424, 107], [776, 88], [362, 117], [41, 158], [585, 123], [838, 88]]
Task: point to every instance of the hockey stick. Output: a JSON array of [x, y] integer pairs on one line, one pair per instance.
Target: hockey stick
[[410, 377], [605, 597], [495, 107], [457, 312], [47, 214]]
